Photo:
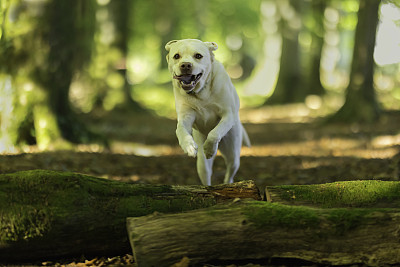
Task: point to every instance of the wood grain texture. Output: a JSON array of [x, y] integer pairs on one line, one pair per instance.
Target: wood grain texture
[[248, 230]]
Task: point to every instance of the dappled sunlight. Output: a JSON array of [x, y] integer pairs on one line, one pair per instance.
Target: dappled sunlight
[[386, 141], [140, 69], [296, 113], [157, 98], [277, 131], [141, 149], [314, 107], [382, 147], [321, 148]]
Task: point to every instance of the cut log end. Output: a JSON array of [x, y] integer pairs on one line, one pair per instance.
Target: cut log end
[[242, 189]]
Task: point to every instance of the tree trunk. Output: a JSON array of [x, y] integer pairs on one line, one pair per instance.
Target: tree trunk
[[120, 13], [314, 86], [70, 38], [38, 108], [45, 214], [361, 104], [18, 95], [249, 231], [289, 77]]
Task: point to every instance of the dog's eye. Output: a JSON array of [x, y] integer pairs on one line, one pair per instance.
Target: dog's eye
[[177, 56], [198, 56]]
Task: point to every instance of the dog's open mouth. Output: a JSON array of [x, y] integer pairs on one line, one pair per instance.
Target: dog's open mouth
[[188, 81]]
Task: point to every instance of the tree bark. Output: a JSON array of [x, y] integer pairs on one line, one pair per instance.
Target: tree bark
[[45, 214], [70, 38], [288, 85], [314, 86], [249, 231], [361, 104], [120, 13]]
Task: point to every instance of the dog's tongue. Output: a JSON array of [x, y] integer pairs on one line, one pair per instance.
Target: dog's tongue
[[186, 78]]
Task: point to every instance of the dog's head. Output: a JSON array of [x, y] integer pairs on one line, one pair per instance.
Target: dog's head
[[189, 62]]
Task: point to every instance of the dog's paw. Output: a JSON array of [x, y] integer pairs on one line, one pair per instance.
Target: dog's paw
[[210, 148], [190, 147], [191, 150]]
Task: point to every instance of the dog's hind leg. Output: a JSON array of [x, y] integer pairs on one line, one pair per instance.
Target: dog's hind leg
[[230, 147], [204, 165]]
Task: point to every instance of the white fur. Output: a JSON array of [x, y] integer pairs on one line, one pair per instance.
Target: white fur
[[208, 117]]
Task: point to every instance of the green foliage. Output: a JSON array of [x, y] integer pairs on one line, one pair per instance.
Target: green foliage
[[235, 25]]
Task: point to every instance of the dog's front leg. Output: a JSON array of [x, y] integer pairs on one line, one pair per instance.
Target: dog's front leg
[[184, 133], [215, 135]]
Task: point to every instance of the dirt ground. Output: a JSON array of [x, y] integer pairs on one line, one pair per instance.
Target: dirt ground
[[290, 145], [286, 149]]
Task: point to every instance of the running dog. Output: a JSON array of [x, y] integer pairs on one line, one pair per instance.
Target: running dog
[[207, 107]]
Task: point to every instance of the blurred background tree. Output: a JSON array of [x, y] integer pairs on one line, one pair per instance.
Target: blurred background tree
[[62, 59], [289, 86], [361, 104], [44, 44], [67, 27], [314, 23]]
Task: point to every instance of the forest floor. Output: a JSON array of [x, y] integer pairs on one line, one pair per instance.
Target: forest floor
[[290, 145]]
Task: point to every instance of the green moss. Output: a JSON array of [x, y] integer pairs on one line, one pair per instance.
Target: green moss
[[32, 203], [323, 222], [343, 194], [275, 214], [347, 219], [24, 223]]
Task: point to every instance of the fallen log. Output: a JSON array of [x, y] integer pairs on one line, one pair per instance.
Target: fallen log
[[47, 214], [360, 193], [255, 230]]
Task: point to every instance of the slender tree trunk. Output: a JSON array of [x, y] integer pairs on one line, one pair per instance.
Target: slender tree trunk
[[121, 12], [361, 104], [167, 25], [314, 77]]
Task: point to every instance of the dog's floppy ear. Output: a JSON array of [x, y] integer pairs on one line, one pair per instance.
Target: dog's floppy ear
[[212, 46], [168, 47]]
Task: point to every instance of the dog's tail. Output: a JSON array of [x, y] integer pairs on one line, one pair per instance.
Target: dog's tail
[[245, 138]]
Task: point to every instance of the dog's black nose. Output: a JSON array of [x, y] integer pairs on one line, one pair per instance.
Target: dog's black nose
[[186, 66]]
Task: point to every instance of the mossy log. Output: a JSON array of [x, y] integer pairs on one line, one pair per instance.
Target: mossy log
[[338, 229], [361, 193], [46, 214]]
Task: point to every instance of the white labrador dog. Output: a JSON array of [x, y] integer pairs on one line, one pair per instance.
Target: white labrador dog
[[207, 107]]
